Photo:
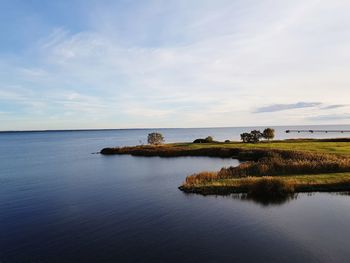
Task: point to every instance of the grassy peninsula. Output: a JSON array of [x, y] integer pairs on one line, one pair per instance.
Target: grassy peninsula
[[277, 167]]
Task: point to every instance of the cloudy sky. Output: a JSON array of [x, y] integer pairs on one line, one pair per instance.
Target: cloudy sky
[[174, 63]]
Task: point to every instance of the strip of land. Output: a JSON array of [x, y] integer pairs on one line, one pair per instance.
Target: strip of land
[[339, 146], [332, 182], [276, 167]]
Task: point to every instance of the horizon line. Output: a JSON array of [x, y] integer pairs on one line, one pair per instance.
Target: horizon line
[[159, 128]]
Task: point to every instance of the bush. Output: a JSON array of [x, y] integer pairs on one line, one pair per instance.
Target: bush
[[155, 138], [246, 137], [227, 141], [252, 137], [199, 141], [268, 133], [209, 139]]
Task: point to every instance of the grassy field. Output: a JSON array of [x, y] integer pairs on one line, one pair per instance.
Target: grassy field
[[298, 145]]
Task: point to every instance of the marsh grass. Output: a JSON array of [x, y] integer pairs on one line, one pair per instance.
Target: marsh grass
[[173, 151], [289, 162], [276, 173], [276, 163], [228, 149], [270, 187], [301, 183]]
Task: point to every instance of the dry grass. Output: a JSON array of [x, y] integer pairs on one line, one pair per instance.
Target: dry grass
[[289, 162], [300, 183], [270, 186], [201, 178], [254, 186], [274, 163], [173, 151], [232, 149]]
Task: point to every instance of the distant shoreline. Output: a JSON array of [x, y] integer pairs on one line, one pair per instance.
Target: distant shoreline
[[179, 128]]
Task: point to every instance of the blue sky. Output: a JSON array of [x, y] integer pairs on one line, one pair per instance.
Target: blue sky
[[126, 64]]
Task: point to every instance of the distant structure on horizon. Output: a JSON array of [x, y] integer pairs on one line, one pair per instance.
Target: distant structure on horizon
[[321, 131]]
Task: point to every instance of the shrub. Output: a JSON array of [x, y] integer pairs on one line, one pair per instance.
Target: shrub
[[246, 137], [155, 138], [227, 141], [209, 139], [256, 136], [252, 137], [199, 141], [268, 134]]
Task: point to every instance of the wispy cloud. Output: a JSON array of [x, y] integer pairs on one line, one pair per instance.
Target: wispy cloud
[[182, 63], [331, 117], [283, 107], [335, 106]]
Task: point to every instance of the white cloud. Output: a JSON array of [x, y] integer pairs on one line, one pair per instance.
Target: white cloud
[[212, 67]]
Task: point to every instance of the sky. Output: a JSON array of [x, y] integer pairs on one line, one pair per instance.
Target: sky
[[90, 64]]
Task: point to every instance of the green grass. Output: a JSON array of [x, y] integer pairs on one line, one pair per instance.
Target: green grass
[[207, 149], [297, 145]]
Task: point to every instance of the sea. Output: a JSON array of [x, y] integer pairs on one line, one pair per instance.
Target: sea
[[61, 201]]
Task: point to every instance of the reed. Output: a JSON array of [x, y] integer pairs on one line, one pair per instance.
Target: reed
[[271, 186], [289, 162]]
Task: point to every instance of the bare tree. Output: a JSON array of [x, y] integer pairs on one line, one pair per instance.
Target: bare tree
[[155, 138]]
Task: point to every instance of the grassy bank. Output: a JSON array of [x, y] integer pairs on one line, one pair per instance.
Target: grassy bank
[[272, 170], [218, 149], [295, 183]]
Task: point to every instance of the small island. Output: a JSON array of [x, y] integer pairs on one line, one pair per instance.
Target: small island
[[270, 168]]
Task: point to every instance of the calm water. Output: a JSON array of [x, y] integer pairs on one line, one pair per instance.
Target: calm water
[[60, 203]]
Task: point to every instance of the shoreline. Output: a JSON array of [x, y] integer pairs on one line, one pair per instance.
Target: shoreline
[[327, 184]]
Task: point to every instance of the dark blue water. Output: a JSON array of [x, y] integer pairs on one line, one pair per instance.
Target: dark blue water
[[60, 203]]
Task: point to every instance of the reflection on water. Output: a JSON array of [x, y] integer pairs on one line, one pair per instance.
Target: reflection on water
[[261, 200], [341, 193], [266, 200], [277, 201]]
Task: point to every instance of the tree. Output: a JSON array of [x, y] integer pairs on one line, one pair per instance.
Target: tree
[[245, 137], [256, 136], [155, 138], [252, 137], [209, 139], [269, 134]]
